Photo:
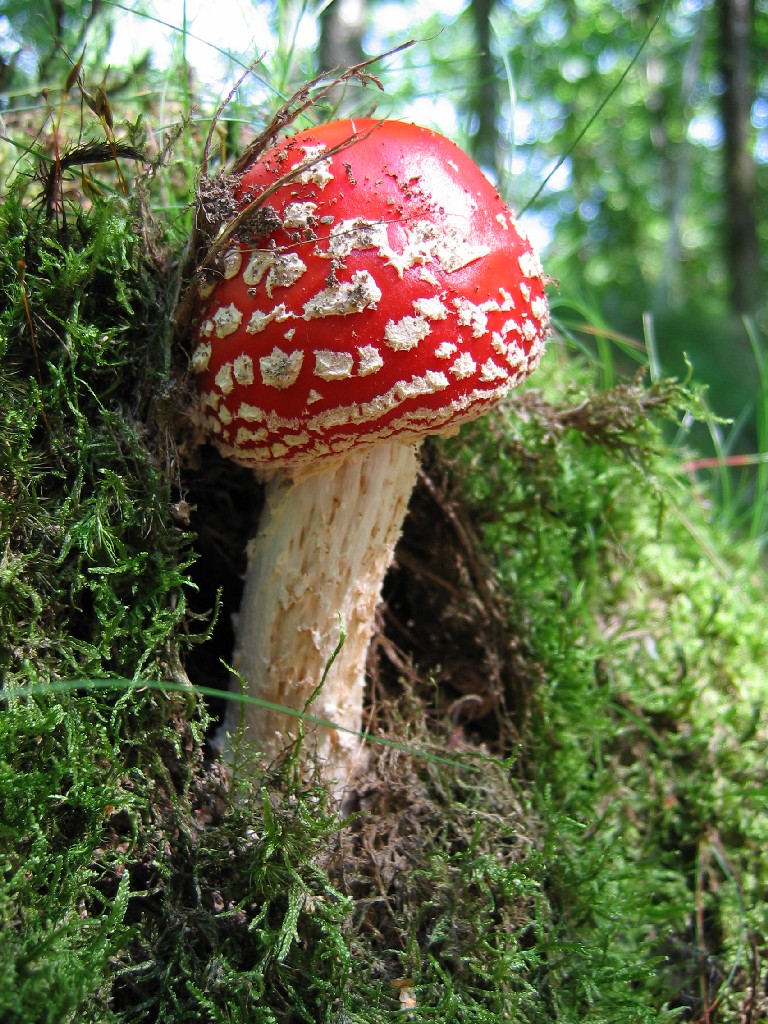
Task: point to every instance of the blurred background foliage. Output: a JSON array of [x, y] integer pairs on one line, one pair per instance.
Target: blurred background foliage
[[633, 134]]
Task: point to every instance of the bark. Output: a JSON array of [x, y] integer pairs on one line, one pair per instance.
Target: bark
[[742, 253], [678, 160], [484, 91], [342, 25]]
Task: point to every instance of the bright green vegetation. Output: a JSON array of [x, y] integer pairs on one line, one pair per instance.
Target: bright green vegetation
[[645, 744], [606, 864]]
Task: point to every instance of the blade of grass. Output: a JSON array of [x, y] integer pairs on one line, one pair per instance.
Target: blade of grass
[[64, 686], [599, 109], [759, 520]]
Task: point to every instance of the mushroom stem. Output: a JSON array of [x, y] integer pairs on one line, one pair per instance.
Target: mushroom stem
[[324, 544]]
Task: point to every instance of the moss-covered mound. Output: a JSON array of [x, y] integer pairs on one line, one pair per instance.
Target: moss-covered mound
[[567, 821]]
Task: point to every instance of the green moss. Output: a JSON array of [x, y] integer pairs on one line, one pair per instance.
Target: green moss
[[647, 730], [92, 584], [93, 566], [59, 776]]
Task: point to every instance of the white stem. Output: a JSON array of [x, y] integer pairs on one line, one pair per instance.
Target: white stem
[[324, 544]]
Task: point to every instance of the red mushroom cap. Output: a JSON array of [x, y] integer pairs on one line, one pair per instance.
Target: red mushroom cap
[[393, 295]]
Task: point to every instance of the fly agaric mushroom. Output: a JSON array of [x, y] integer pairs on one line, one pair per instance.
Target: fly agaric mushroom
[[387, 294]]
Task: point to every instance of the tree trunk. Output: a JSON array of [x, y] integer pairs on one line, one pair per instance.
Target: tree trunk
[[484, 92], [677, 161], [740, 230], [342, 24]]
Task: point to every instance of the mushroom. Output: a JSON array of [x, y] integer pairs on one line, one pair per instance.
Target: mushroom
[[376, 290]]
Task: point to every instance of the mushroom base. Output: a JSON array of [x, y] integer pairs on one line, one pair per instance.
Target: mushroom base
[[319, 558]]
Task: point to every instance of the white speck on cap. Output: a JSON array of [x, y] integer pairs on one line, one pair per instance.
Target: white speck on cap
[[258, 265], [280, 369], [507, 302], [472, 315], [335, 417], [510, 326], [463, 366], [516, 356], [492, 371], [250, 413], [299, 215], [259, 319], [370, 360], [431, 308], [406, 334], [224, 378], [284, 271], [227, 319], [530, 330], [345, 297], [319, 171], [231, 262], [348, 235], [243, 369], [332, 365], [210, 400], [540, 309], [530, 265], [296, 440], [246, 436]]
